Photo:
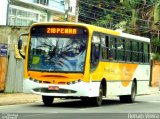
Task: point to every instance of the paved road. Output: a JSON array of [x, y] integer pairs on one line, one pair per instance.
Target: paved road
[[78, 109]]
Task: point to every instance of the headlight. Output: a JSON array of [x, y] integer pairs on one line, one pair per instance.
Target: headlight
[[74, 82]]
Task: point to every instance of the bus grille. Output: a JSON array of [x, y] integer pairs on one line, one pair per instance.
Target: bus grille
[[45, 90]]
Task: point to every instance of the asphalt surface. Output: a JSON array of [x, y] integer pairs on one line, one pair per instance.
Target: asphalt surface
[[145, 107]]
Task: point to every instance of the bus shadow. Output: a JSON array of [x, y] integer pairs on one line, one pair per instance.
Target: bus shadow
[[82, 104]]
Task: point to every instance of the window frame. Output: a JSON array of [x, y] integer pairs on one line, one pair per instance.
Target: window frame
[[105, 44]]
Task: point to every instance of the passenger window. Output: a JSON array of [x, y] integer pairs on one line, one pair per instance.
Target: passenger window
[[128, 50], [112, 48], [135, 57], [140, 52], [95, 50], [146, 53], [104, 45], [120, 50]]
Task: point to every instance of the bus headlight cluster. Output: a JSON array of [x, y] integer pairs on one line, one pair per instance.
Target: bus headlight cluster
[[74, 82], [35, 80]]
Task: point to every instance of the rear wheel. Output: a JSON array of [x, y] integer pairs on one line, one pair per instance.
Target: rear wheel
[[130, 98], [47, 100], [97, 101]]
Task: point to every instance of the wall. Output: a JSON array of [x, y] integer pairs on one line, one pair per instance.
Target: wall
[[56, 4], [14, 67], [155, 81]]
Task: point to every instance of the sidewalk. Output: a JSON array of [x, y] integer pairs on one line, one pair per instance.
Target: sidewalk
[[18, 98], [21, 98], [153, 90]]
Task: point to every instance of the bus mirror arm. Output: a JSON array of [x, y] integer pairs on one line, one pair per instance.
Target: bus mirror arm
[[20, 44], [23, 56]]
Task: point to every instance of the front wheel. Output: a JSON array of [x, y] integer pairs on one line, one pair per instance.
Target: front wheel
[[47, 100], [97, 101]]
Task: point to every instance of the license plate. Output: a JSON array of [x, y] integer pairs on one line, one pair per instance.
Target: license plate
[[53, 88]]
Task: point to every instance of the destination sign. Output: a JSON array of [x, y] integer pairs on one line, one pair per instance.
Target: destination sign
[[54, 30], [58, 30]]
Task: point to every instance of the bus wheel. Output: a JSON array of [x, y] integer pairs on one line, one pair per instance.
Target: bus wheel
[[97, 101], [47, 100], [129, 98]]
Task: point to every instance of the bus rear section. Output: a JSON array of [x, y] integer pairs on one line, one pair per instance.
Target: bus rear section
[[121, 63]]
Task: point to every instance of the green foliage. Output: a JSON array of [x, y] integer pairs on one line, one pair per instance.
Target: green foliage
[[156, 56], [156, 41], [104, 21], [130, 4], [132, 16], [155, 48], [157, 12]]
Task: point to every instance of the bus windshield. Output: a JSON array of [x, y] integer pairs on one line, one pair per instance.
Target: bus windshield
[[57, 53]]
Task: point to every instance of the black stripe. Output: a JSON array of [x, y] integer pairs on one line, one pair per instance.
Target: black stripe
[[120, 80]]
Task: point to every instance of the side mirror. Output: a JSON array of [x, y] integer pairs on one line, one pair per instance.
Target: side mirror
[[19, 44]]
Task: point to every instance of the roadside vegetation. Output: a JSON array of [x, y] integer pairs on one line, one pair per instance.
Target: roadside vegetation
[[139, 17]]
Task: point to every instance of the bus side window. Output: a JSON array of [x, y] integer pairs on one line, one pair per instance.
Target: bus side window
[[146, 52], [127, 50], [95, 53], [120, 49], [105, 46], [112, 48], [135, 57], [95, 50], [140, 52]]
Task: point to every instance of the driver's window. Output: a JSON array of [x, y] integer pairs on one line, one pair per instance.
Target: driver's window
[[95, 50]]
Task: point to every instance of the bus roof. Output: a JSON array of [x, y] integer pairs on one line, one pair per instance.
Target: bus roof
[[134, 37], [100, 29]]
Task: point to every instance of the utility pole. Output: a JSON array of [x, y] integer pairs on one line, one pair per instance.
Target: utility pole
[[158, 35], [158, 25], [77, 11], [66, 9]]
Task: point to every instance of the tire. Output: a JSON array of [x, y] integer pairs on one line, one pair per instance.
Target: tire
[[97, 101], [47, 100], [130, 98]]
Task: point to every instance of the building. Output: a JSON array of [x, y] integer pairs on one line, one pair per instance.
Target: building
[[3, 12], [26, 12]]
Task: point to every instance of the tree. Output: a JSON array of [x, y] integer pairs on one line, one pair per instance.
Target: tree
[[133, 16]]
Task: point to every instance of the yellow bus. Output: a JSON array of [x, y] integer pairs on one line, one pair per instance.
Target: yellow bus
[[75, 60]]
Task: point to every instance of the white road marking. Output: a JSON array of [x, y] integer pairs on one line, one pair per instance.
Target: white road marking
[[154, 101], [32, 115]]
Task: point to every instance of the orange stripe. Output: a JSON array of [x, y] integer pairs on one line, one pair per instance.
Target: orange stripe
[[115, 71]]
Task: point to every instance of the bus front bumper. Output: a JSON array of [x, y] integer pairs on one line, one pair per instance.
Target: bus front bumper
[[79, 89]]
